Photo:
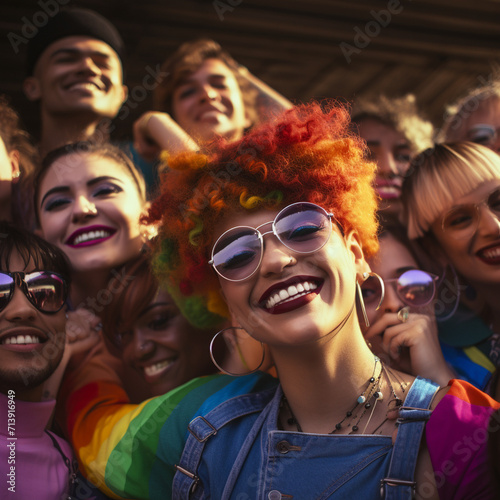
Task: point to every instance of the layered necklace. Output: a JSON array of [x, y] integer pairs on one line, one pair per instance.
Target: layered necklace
[[367, 400]]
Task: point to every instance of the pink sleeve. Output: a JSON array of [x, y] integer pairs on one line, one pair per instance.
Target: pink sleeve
[[457, 436]]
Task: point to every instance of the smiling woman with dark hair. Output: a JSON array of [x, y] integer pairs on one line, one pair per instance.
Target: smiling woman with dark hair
[[272, 232]]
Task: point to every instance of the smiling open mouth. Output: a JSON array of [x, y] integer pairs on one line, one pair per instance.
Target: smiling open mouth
[[86, 238], [490, 255], [21, 340], [290, 293], [85, 85], [152, 370]]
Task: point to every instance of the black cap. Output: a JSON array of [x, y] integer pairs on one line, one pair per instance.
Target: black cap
[[73, 22]]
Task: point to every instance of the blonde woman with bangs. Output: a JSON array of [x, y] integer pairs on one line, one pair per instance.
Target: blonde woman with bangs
[[451, 202]]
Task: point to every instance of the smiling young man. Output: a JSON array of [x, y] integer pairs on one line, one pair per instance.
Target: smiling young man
[[33, 287], [75, 72]]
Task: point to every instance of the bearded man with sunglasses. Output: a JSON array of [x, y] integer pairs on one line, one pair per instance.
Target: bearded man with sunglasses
[[34, 279]]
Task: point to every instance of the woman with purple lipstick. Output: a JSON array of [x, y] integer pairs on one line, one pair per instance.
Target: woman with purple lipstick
[[276, 229], [89, 199]]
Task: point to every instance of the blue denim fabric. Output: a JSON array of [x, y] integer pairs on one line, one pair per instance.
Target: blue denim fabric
[[236, 452]]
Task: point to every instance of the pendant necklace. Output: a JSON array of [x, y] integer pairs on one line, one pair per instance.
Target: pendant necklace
[[372, 391]]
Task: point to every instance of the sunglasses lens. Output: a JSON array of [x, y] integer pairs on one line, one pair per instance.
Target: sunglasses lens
[[6, 283], [416, 288], [236, 254], [371, 291], [46, 291], [303, 227]]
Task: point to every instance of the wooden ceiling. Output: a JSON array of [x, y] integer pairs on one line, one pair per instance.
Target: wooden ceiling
[[436, 49]]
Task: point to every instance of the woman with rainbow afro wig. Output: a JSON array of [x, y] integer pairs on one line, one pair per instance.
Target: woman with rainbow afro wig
[[272, 233], [271, 168]]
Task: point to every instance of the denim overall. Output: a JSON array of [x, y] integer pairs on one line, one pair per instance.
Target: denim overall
[[236, 452]]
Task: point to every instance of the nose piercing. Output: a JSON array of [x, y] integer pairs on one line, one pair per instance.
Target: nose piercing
[[91, 209]]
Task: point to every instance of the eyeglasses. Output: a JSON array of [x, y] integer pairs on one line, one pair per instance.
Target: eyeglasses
[[483, 134], [46, 290], [414, 287], [462, 221], [302, 227]]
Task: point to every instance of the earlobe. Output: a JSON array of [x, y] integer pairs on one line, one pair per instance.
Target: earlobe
[[353, 244], [14, 161], [248, 122], [124, 94], [31, 87]]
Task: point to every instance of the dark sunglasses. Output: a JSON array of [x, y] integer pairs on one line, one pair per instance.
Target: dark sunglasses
[[414, 287], [302, 227], [46, 290]]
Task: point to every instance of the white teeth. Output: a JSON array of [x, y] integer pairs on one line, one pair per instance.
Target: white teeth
[[492, 253], [91, 235], [290, 293], [22, 339], [85, 86], [157, 367]]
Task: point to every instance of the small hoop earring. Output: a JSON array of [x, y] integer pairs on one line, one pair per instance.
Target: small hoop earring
[[239, 352], [360, 295]]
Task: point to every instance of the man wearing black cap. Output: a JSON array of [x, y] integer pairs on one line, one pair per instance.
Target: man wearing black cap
[[74, 67]]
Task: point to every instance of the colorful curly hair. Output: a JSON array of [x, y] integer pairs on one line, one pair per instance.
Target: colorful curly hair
[[305, 155]]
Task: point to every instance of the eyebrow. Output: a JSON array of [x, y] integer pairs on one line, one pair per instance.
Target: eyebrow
[[78, 52], [63, 189], [190, 79], [152, 306]]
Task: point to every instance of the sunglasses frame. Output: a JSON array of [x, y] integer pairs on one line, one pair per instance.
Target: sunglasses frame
[[19, 279], [394, 281], [478, 216], [260, 236]]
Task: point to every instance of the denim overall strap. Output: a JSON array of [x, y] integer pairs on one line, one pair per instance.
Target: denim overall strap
[[201, 428], [413, 415]]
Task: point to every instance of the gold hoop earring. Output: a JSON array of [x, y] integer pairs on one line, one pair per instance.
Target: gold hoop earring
[[240, 354], [360, 295]]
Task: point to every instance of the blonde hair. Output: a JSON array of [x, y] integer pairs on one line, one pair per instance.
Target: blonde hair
[[440, 175]]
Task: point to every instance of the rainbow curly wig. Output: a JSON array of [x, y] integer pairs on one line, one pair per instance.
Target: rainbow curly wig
[[306, 154]]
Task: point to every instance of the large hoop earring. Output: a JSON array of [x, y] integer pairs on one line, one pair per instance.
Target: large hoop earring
[[242, 359], [456, 283], [360, 295]]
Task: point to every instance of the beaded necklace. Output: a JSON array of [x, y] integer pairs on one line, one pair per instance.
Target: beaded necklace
[[372, 391]]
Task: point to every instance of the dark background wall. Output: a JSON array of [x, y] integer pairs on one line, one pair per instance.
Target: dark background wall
[[305, 49]]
